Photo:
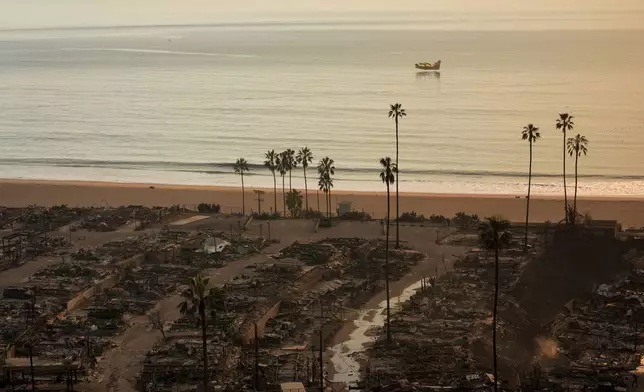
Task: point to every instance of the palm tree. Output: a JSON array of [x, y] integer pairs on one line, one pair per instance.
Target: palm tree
[[494, 235], [565, 123], [269, 162], [576, 146], [281, 163], [294, 202], [326, 170], [531, 134], [194, 305], [304, 157], [290, 164], [387, 176], [241, 166], [397, 112], [323, 186]]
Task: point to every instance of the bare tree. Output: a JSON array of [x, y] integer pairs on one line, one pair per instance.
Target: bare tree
[[156, 322]]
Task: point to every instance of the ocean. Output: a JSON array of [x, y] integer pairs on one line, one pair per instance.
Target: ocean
[[179, 104]]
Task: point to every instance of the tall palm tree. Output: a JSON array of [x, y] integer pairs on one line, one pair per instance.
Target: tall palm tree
[[494, 235], [565, 123], [290, 164], [282, 164], [241, 166], [194, 305], [576, 146], [397, 112], [304, 157], [326, 170], [269, 162], [387, 176], [323, 186], [531, 134]]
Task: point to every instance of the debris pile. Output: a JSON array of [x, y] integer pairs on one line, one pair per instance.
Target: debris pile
[[74, 309], [20, 247], [237, 306], [111, 219], [443, 333], [40, 218], [361, 258], [597, 341]]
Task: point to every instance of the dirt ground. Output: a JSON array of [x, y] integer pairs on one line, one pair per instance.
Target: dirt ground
[[80, 239], [123, 363], [119, 367]]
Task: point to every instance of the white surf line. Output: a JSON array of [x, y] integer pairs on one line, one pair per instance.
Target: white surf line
[[158, 51]]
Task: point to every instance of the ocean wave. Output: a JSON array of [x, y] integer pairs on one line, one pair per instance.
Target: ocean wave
[[158, 51], [260, 169]]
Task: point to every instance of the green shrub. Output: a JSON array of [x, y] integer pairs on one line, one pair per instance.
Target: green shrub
[[466, 221], [312, 214], [411, 217], [439, 220], [356, 215], [209, 208], [266, 216]]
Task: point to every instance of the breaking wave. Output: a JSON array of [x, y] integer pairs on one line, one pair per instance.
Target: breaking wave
[[260, 169]]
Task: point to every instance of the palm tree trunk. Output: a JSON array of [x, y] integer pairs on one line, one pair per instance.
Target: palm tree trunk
[[31, 366], [243, 196], [496, 300], [527, 209], [387, 267], [204, 344], [564, 175], [290, 180], [306, 191], [284, 195], [275, 191], [397, 194], [326, 203], [575, 201]]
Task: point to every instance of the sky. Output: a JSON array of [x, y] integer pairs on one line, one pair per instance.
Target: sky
[[16, 14]]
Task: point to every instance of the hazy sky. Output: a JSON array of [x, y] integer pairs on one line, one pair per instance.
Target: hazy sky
[[66, 13]]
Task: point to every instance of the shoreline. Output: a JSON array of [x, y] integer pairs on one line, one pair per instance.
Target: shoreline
[[147, 185], [20, 193]]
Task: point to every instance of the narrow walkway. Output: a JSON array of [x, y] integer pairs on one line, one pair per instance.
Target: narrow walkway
[[22, 273], [120, 366]]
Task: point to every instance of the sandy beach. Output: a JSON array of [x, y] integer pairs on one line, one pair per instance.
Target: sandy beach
[[20, 193]]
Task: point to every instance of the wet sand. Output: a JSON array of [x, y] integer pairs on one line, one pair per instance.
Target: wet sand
[[20, 193]]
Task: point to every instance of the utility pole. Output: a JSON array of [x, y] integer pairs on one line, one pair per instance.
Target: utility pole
[[321, 350], [256, 378], [312, 364], [32, 314], [260, 199], [269, 230], [31, 364]]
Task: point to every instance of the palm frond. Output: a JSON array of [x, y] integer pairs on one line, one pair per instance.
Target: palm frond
[[493, 233], [530, 133], [388, 170], [241, 166], [269, 160]]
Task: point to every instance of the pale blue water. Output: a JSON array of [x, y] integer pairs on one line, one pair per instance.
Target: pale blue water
[[180, 104]]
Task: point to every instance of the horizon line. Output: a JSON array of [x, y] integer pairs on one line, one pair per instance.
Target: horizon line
[[295, 22]]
